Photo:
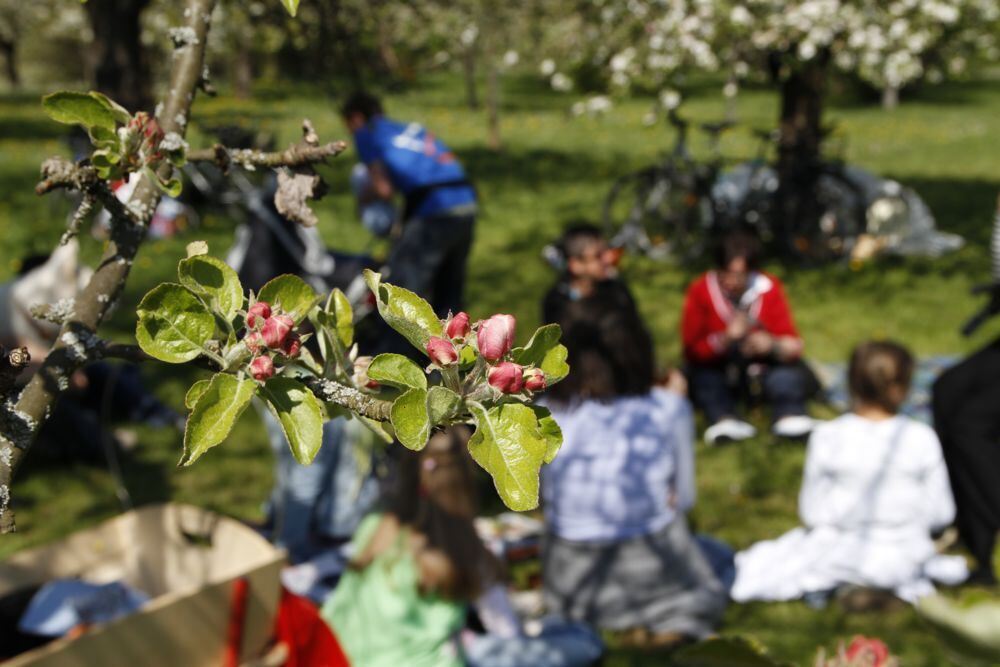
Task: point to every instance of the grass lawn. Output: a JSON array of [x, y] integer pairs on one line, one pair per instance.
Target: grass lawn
[[553, 169]]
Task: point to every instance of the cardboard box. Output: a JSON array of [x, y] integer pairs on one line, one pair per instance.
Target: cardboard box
[[186, 559]]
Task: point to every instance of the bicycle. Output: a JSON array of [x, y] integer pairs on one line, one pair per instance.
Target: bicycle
[[835, 209], [668, 209]]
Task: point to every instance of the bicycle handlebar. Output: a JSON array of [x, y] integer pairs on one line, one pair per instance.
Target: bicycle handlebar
[[991, 308]]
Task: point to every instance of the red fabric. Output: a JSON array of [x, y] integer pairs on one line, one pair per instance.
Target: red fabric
[[237, 614], [706, 315], [310, 641]]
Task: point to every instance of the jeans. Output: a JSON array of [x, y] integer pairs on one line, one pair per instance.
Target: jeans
[[785, 388], [315, 505], [429, 259]]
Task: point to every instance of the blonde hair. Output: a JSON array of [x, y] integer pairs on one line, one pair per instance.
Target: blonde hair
[[880, 373]]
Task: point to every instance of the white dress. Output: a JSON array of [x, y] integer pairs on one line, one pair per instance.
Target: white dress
[[872, 493]]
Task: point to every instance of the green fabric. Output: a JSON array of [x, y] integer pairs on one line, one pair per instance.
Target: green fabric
[[381, 619]]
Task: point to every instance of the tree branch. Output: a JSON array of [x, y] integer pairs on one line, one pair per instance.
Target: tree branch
[[350, 398], [11, 365], [293, 156], [20, 422]]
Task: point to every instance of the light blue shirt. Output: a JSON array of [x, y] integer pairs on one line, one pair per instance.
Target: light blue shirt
[[626, 467]]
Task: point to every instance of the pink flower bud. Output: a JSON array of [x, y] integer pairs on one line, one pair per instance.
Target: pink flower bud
[[360, 376], [441, 351], [261, 368], [260, 311], [869, 651], [276, 329], [496, 337], [458, 326], [534, 380], [507, 376], [292, 346], [253, 342]]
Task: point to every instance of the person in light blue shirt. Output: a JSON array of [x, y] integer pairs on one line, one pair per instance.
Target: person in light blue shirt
[[618, 552], [407, 160]]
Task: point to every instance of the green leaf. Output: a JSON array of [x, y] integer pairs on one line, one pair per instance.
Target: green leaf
[[194, 393], [215, 280], [300, 414], [971, 631], [170, 188], [550, 431], [78, 109], [119, 112], [215, 411], [397, 371], [291, 5], [404, 311], [545, 352], [173, 324], [410, 419], [344, 316], [508, 445], [442, 403], [292, 293]]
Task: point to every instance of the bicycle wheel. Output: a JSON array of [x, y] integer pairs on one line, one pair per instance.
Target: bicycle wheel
[[655, 212]]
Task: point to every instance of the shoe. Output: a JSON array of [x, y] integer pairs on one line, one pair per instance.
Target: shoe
[[729, 429], [793, 426]]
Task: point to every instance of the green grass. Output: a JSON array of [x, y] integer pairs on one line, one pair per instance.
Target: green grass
[[554, 169]]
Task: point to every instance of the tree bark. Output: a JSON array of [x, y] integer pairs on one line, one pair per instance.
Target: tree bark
[[9, 50], [493, 106], [469, 69], [890, 98], [242, 73], [122, 68], [800, 136]]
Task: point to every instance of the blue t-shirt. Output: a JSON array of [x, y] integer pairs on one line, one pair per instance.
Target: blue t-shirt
[[414, 158]]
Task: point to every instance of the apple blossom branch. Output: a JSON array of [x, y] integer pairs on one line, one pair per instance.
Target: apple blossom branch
[[299, 155], [20, 419]]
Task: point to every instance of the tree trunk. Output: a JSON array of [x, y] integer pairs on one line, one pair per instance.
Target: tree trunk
[[9, 50], [122, 69], [890, 98], [242, 73], [493, 106], [800, 131], [469, 68]]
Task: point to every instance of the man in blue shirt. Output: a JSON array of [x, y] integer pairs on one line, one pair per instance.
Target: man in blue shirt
[[430, 255]]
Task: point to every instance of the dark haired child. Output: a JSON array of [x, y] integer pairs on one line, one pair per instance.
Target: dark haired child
[[618, 551], [737, 330], [418, 566], [585, 261], [875, 486]]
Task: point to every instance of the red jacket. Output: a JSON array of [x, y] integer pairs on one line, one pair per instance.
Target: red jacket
[[707, 312]]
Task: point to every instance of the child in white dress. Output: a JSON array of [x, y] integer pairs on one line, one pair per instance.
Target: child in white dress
[[875, 486]]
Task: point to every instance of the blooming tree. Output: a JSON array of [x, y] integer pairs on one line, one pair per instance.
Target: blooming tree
[[254, 343], [652, 43]]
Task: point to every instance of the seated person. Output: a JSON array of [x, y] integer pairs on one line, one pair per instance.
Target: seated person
[[874, 488], [737, 330], [618, 553], [584, 260], [417, 566], [967, 419]]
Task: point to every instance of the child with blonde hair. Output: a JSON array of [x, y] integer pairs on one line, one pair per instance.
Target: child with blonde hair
[[875, 487]]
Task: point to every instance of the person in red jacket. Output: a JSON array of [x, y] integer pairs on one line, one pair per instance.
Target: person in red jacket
[[737, 330]]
